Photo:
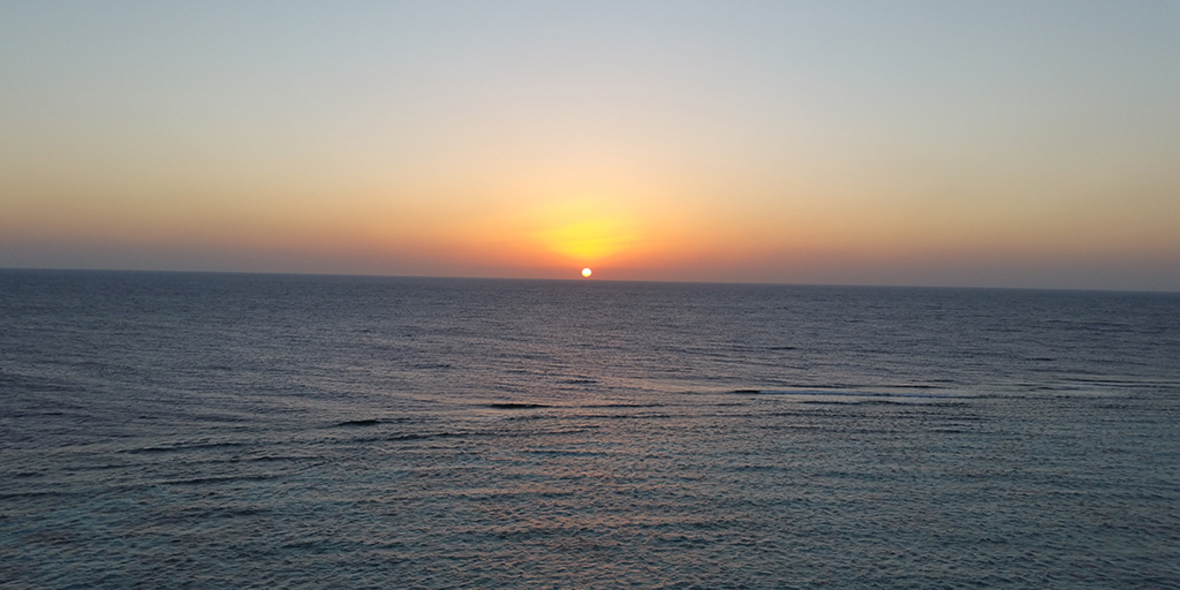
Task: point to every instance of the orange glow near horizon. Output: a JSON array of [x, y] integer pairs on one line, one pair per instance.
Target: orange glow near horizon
[[542, 234], [592, 239]]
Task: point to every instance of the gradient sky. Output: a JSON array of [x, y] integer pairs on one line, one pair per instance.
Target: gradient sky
[[1008, 144]]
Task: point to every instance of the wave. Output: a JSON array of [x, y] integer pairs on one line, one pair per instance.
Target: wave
[[849, 393], [365, 422]]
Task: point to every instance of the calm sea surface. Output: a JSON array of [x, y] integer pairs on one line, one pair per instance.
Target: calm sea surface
[[166, 430]]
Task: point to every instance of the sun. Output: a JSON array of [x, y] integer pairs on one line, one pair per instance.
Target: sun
[[586, 272]]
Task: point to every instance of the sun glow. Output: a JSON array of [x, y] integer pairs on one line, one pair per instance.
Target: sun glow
[[586, 272], [546, 235], [589, 239]]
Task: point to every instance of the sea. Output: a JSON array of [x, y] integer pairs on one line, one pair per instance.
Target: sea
[[202, 430]]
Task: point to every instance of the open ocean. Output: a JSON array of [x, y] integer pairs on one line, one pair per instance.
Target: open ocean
[[187, 430]]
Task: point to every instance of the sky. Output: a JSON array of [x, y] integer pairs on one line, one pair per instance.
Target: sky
[[943, 143]]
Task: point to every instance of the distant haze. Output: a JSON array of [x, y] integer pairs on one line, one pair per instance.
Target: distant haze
[[1006, 144]]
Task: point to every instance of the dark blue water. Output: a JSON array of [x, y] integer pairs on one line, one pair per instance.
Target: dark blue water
[[259, 431]]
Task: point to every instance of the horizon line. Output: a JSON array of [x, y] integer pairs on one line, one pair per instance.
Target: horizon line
[[585, 280]]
